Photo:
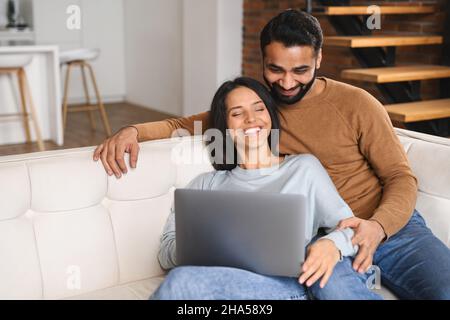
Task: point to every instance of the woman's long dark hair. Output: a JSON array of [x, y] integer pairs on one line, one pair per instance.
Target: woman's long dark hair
[[218, 118]]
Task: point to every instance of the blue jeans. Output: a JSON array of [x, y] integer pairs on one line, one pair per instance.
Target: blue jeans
[[414, 264], [222, 283]]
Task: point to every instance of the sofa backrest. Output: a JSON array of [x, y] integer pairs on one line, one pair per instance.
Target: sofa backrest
[[66, 228], [429, 157]]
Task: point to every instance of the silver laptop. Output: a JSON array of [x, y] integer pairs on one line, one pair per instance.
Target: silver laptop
[[259, 232]]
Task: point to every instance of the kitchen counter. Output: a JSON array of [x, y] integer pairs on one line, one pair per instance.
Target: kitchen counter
[[44, 77]]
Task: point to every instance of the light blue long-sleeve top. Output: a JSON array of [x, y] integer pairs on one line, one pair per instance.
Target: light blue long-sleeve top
[[298, 174]]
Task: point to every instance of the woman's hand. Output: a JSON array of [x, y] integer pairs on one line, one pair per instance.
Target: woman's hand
[[322, 257]]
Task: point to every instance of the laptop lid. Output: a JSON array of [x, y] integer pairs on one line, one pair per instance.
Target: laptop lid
[[260, 232]]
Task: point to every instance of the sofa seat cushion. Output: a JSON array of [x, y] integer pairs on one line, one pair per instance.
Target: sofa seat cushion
[[385, 293], [139, 290]]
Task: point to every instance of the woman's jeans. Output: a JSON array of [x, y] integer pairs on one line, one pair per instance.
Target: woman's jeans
[[414, 264]]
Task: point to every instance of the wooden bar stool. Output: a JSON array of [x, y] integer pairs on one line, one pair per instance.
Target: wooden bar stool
[[80, 58], [15, 65]]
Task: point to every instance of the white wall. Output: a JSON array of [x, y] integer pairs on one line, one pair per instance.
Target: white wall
[[102, 27], [179, 51], [153, 54], [50, 23], [212, 31], [230, 39], [200, 31]]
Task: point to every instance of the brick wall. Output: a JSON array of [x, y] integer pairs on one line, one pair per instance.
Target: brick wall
[[258, 12]]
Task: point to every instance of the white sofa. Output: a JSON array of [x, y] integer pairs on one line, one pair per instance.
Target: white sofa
[[68, 231]]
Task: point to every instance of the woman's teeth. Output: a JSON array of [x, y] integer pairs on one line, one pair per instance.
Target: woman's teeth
[[252, 131]]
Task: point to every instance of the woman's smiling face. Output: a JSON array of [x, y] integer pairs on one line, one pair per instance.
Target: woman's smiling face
[[247, 118]]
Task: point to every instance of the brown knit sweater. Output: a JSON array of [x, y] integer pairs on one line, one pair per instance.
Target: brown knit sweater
[[349, 131]]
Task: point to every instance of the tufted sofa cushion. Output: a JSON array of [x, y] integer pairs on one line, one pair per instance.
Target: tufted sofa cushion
[[68, 231], [429, 158]]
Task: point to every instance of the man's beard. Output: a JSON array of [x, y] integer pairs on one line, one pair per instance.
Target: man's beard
[[282, 99]]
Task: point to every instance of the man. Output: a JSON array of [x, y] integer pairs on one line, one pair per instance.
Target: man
[[349, 131]]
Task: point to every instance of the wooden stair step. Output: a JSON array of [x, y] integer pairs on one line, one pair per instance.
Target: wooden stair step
[[382, 41], [363, 10], [419, 111], [397, 74]]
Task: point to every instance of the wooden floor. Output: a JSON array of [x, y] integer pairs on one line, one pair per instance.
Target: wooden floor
[[79, 133]]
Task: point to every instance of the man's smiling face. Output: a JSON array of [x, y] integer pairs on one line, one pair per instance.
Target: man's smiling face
[[290, 71]]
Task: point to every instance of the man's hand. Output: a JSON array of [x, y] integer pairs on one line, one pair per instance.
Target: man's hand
[[321, 259], [113, 149], [368, 236]]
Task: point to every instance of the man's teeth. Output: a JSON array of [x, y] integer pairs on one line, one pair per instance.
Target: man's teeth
[[252, 131]]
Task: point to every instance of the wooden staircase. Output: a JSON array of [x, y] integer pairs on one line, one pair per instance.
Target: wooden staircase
[[382, 41], [419, 111], [383, 72], [397, 74], [364, 10]]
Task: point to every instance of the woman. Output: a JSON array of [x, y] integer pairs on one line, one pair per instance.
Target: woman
[[244, 112]]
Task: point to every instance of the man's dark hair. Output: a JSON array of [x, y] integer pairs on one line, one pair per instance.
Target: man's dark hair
[[293, 28], [218, 117]]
